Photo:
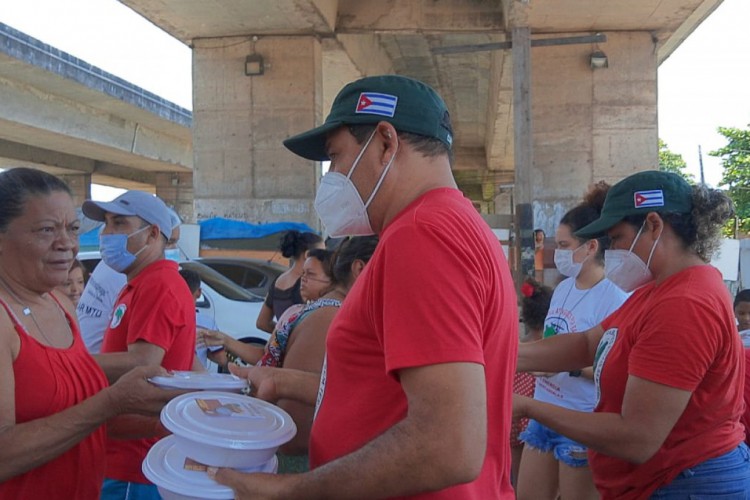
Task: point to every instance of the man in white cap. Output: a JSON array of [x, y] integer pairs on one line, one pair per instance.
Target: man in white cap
[[153, 322], [97, 301]]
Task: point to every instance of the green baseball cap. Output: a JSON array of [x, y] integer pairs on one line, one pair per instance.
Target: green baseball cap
[[408, 104], [641, 193]]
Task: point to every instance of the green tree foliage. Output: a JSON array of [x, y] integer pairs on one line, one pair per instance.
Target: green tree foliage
[[673, 162], [735, 159]]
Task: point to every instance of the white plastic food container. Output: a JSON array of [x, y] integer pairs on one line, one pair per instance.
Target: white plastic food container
[[165, 467], [227, 430], [200, 381]]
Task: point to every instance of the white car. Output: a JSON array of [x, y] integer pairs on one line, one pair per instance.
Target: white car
[[233, 309]]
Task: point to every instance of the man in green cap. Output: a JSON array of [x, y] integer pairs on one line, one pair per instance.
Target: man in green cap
[[415, 395]]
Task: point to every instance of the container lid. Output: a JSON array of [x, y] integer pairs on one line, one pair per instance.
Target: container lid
[[228, 420], [165, 466], [200, 381]]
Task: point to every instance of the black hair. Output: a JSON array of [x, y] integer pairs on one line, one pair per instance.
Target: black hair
[[78, 265], [700, 230], [428, 146], [587, 212], [535, 306], [742, 296], [17, 185], [324, 257], [294, 244], [192, 278], [539, 230], [351, 249]]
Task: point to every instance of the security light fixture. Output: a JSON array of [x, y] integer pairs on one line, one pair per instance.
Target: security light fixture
[[599, 60], [254, 65]]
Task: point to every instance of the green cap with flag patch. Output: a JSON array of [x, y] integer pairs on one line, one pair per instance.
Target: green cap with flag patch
[[641, 193], [408, 104]]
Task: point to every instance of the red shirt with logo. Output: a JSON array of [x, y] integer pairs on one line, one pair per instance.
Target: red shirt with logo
[[681, 334], [155, 307], [437, 290]]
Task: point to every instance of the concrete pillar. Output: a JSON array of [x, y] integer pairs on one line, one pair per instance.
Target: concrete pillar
[[80, 184], [523, 262], [241, 169], [590, 124], [176, 189]]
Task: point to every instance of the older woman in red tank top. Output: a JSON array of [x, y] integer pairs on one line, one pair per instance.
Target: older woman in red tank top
[[53, 396]]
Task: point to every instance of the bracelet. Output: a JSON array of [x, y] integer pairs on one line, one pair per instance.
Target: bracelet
[[575, 373]]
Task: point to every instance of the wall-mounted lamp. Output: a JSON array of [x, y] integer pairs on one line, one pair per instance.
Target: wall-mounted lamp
[[599, 60], [254, 65]]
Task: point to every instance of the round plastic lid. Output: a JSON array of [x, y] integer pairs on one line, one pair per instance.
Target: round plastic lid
[[228, 420], [165, 466], [201, 381]]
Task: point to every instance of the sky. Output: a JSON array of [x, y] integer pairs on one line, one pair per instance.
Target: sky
[[704, 84]]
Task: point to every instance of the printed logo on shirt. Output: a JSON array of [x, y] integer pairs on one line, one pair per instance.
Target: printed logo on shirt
[[605, 346], [374, 103], [652, 198], [321, 387], [117, 315]]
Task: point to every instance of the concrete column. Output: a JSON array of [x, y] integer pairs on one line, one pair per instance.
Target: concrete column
[[176, 189], [80, 184], [522, 147], [591, 124], [241, 169]]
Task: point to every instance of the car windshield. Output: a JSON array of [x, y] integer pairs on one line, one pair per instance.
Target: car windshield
[[221, 284]]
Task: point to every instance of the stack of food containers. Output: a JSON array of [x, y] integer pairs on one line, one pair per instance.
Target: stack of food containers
[[213, 428]]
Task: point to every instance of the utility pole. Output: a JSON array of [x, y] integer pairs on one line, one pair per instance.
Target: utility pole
[[700, 162]]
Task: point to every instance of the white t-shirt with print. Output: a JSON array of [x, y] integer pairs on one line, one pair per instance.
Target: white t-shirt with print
[[575, 310]]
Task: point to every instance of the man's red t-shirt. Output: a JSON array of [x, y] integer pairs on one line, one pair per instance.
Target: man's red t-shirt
[[437, 290], [155, 307]]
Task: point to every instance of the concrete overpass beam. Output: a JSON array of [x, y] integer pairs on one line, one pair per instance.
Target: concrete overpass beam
[[356, 16], [242, 171], [80, 184], [43, 120], [15, 154]]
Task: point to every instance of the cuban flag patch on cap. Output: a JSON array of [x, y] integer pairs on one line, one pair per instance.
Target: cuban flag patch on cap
[[645, 199], [374, 103]]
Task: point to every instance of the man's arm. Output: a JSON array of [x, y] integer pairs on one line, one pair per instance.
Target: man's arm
[[440, 443], [272, 384], [140, 353]]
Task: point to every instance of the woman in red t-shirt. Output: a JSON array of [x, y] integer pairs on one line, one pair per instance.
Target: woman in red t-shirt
[[668, 364]]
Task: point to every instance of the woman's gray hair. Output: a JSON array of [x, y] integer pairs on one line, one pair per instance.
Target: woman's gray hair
[[711, 209]]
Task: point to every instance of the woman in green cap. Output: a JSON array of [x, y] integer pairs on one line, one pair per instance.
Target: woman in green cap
[[668, 363]]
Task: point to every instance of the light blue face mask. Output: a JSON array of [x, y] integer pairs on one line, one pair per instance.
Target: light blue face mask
[[114, 250]]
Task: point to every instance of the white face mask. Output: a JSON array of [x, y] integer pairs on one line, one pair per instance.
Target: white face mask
[[625, 269], [564, 262], [339, 205]]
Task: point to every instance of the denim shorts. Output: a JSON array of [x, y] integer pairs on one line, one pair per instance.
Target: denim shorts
[[565, 450], [726, 477]]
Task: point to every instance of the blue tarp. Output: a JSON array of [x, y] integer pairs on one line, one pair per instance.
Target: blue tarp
[[227, 229], [220, 229], [90, 239]]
